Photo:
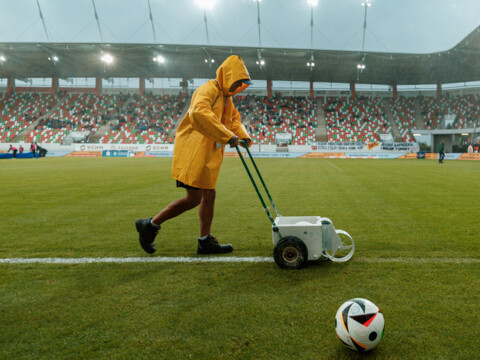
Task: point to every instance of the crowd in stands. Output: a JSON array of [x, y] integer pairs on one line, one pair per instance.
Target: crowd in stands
[[150, 118], [267, 116], [403, 112], [465, 109], [355, 120], [18, 111], [76, 112]]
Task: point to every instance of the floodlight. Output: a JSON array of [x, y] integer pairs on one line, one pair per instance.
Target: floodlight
[[206, 60], [159, 58], [107, 58], [361, 66], [212, 60], [366, 3], [206, 4], [53, 58], [312, 2], [2, 58]]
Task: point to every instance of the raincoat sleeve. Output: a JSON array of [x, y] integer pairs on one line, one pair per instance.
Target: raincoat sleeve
[[238, 128], [204, 119]]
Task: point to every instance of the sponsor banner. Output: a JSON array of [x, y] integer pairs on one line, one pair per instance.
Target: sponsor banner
[[159, 153], [231, 154], [118, 153], [470, 156], [448, 156], [328, 146], [360, 146], [322, 155], [410, 156], [85, 154], [404, 146], [277, 155], [372, 155], [120, 147]]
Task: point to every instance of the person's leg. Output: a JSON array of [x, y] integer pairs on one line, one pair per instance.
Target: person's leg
[[206, 211], [207, 243], [177, 207], [148, 228]]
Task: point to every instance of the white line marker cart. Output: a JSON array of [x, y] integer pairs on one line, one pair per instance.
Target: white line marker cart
[[299, 239]]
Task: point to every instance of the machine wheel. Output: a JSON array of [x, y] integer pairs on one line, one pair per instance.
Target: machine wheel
[[290, 253], [345, 249]]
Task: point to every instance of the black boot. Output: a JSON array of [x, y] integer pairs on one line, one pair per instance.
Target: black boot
[[147, 234], [211, 246]]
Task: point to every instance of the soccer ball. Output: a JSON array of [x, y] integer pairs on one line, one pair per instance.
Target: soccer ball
[[359, 324]]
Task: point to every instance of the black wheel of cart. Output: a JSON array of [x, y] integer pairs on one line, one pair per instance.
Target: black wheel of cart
[[290, 253]]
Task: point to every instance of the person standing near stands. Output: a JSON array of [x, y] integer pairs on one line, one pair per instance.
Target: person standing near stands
[[33, 149], [212, 121], [441, 151], [14, 151], [20, 149]]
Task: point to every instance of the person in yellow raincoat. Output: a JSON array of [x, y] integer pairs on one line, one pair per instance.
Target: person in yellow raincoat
[[212, 121]]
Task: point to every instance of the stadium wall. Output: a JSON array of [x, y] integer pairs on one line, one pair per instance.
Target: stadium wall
[[319, 151]]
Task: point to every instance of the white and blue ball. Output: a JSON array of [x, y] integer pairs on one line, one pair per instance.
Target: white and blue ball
[[359, 324]]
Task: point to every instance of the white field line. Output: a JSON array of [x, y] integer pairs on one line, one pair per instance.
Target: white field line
[[336, 167], [232, 259]]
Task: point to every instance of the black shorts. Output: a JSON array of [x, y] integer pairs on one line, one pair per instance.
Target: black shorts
[[180, 184]]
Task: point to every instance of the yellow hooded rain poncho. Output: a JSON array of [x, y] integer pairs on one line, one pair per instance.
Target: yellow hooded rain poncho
[[209, 124]]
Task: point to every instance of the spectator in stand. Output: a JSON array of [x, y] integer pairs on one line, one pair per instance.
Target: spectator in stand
[[441, 151], [211, 122], [33, 149], [14, 151]]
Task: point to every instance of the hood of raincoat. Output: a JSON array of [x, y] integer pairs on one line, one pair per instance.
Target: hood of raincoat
[[232, 69]]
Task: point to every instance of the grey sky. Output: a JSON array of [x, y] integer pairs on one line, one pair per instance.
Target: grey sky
[[412, 26]]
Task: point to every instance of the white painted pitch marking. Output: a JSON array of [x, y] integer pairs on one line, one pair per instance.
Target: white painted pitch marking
[[233, 259], [336, 167], [89, 260]]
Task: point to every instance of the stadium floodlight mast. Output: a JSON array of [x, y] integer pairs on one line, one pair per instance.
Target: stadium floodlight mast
[[107, 58], [260, 62], [311, 62], [206, 4], [366, 4], [159, 59], [361, 67], [258, 22], [312, 4], [53, 59]]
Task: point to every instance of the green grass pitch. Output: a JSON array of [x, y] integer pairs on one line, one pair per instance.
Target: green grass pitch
[[415, 224]]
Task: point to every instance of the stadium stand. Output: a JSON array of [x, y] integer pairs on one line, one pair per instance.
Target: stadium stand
[[355, 120], [78, 112], [268, 116], [20, 110], [151, 119], [403, 112], [463, 109], [467, 110], [146, 120]]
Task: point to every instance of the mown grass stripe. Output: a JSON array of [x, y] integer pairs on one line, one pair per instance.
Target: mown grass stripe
[[224, 259]]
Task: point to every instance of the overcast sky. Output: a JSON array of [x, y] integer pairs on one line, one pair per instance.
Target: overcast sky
[[411, 26]]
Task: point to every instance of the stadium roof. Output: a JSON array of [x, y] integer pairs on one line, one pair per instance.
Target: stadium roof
[[26, 60]]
